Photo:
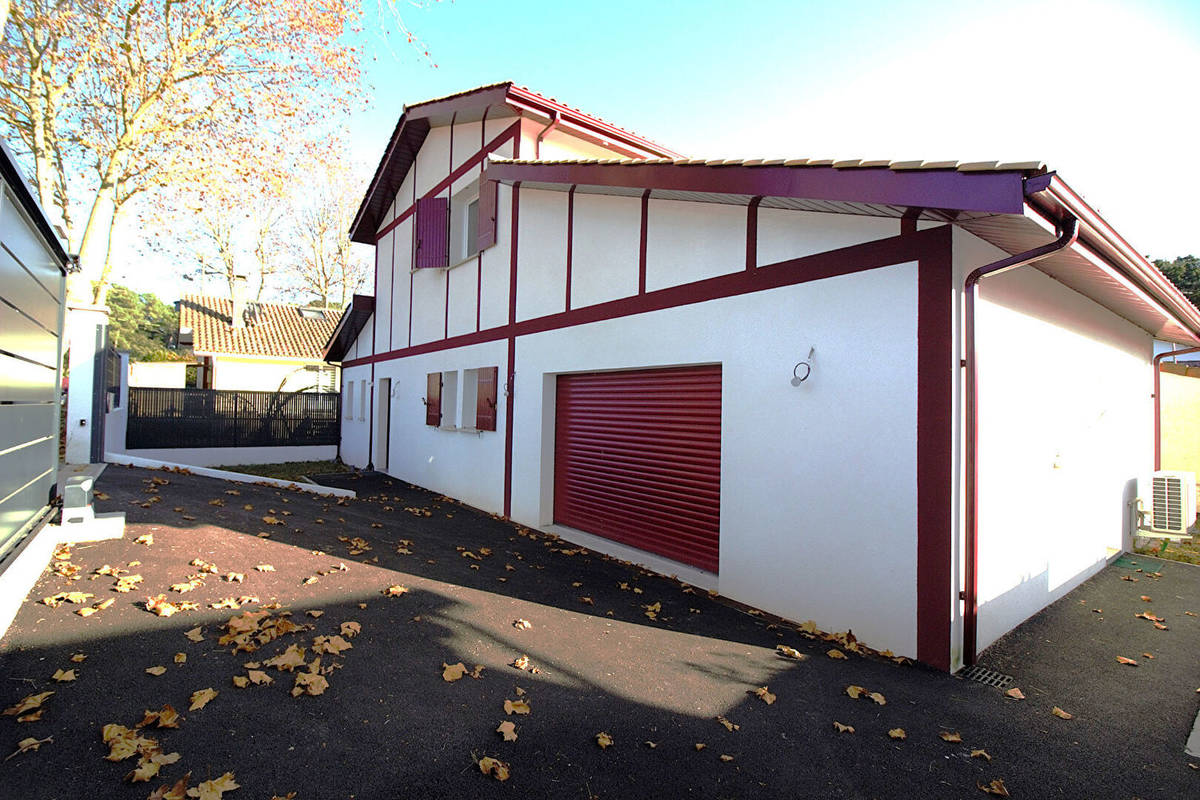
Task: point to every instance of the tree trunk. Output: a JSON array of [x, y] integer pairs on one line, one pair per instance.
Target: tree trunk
[[95, 243]]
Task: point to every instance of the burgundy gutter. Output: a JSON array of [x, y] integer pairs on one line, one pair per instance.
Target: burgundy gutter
[[1068, 231], [537, 143], [1158, 403]]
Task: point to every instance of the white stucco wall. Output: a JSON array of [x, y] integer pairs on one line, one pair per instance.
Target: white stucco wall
[[542, 249], [605, 238], [161, 374], [1065, 421], [688, 242], [262, 374]]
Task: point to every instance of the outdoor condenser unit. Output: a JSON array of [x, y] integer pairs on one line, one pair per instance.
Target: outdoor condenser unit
[[1173, 503]]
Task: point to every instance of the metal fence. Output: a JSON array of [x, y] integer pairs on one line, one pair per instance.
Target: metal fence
[[174, 418]]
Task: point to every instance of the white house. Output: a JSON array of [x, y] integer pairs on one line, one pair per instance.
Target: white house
[[803, 384]]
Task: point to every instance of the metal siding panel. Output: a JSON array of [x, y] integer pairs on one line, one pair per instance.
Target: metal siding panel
[[20, 290], [638, 460], [16, 511], [23, 423], [22, 382], [22, 337], [18, 467]]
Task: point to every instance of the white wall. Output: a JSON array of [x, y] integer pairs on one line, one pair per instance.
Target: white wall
[[688, 242], [263, 375], [785, 234], [542, 250], [1065, 421], [818, 488], [605, 236], [160, 374]]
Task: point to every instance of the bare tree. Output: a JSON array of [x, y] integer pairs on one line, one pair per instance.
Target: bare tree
[[325, 266]]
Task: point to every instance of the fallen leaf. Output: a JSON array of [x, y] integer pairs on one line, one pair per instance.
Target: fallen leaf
[[453, 672], [494, 767], [395, 591], [156, 671], [587, 601], [650, 744], [309, 683], [522, 624], [762, 693], [981, 753], [1015, 694], [996, 787], [1129, 578], [516, 707], [351, 629], [212, 790], [790, 652], [1124, 660], [1147, 655], [315, 614], [508, 730], [477, 673], [726, 757], [855, 692], [241, 681], [235, 577], [604, 740], [258, 677], [289, 660], [63, 676], [835, 653], [165, 717], [195, 634], [272, 520], [840, 728], [897, 733], [264, 568], [79, 658], [146, 539], [700, 745], [201, 698], [954, 737], [25, 745], [27, 704], [878, 698], [729, 726], [334, 645], [1058, 712], [34, 717]]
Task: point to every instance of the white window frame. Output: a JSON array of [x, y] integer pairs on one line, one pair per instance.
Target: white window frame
[[449, 401], [470, 399], [464, 237]]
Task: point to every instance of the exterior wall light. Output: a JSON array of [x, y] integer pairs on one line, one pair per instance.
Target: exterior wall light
[[803, 369]]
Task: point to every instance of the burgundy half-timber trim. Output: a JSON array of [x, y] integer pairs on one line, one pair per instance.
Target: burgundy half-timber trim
[[931, 249], [570, 241], [510, 379], [449, 196], [989, 192], [413, 250], [935, 437], [643, 241], [479, 255], [512, 132], [391, 291], [752, 232]]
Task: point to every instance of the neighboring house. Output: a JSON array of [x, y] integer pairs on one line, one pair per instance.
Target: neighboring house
[[777, 380], [265, 347]]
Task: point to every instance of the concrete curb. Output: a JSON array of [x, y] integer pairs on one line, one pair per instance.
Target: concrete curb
[[236, 477]]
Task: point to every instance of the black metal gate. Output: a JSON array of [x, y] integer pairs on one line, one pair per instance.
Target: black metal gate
[[176, 418]]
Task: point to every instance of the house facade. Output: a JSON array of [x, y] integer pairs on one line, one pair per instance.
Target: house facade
[[262, 347], [831, 390]]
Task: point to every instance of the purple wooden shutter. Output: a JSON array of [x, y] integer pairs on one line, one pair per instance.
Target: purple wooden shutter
[[433, 399], [486, 236], [433, 232], [485, 399]]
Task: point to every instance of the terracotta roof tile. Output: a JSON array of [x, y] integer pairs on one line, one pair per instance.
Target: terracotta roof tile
[[271, 329], [1035, 167]]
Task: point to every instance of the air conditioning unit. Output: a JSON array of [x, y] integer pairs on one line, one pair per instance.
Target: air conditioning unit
[[1173, 503]]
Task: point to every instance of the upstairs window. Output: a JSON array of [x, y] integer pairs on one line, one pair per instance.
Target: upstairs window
[[450, 231]]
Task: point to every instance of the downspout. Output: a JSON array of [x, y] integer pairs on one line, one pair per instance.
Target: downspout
[[1068, 231], [1157, 402], [537, 144]]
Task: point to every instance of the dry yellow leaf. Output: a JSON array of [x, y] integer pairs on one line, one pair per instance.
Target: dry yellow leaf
[[212, 790], [604, 740], [729, 726], [878, 698], [898, 733], [201, 698], [516, 707], [241, 681], [288, 660], [351, 629], [34, 717], [855, 692], [79, 658], [508, 730], [835, 653], [1127, 661], [764, 694], [1015, 694], [494, 767], [235, 577], [63, 676], [165, 717], [310, 683], [334, 645], [146, 539], [947, 736], [27, 704], [1058, 712], [258, 677], [25, 745], [790, 652], [477, 673], [195, 634], [996, 787], [395, 591], [453, 672], [315, 613], [840, 728], [272, 520], [726, 757], [264, 567], [981, 753], [700, 745], [522, 624], [155, 671], [181, 658]]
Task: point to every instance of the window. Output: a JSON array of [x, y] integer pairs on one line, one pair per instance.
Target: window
[[312, 313], [433, 399], [464, 224], [349, 402], [479, 399], [453, 230]]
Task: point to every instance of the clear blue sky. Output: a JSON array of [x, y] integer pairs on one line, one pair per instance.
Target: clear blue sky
[[1104, 92]]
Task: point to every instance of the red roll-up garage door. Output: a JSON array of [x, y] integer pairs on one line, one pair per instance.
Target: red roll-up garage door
[[637, 459]]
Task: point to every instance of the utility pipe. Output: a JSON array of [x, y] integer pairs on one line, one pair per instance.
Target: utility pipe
[[1068, 231], [537, 145], [1157, 402]]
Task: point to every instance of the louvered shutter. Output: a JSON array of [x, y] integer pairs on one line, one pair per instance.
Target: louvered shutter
[[485, 399], [433, 232], [637, 459], [433, 399], [486, 235]]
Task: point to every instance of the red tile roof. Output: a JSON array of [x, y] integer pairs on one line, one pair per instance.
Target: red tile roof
[[271, 329]]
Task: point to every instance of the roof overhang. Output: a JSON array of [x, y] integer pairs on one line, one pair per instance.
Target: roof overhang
[[1015, 209], [353, 320], [491, 102]]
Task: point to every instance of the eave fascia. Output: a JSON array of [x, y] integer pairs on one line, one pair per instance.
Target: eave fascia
[[980, 192]]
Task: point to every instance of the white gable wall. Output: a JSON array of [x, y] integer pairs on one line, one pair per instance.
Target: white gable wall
[[1066, 425]]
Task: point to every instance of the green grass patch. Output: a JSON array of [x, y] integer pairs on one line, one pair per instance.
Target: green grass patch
[[1188, 551], [291, 470]]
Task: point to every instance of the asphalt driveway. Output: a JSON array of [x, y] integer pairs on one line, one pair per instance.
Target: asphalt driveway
[[610, 649]]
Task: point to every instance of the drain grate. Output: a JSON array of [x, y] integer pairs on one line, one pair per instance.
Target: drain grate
[[988, 677]]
